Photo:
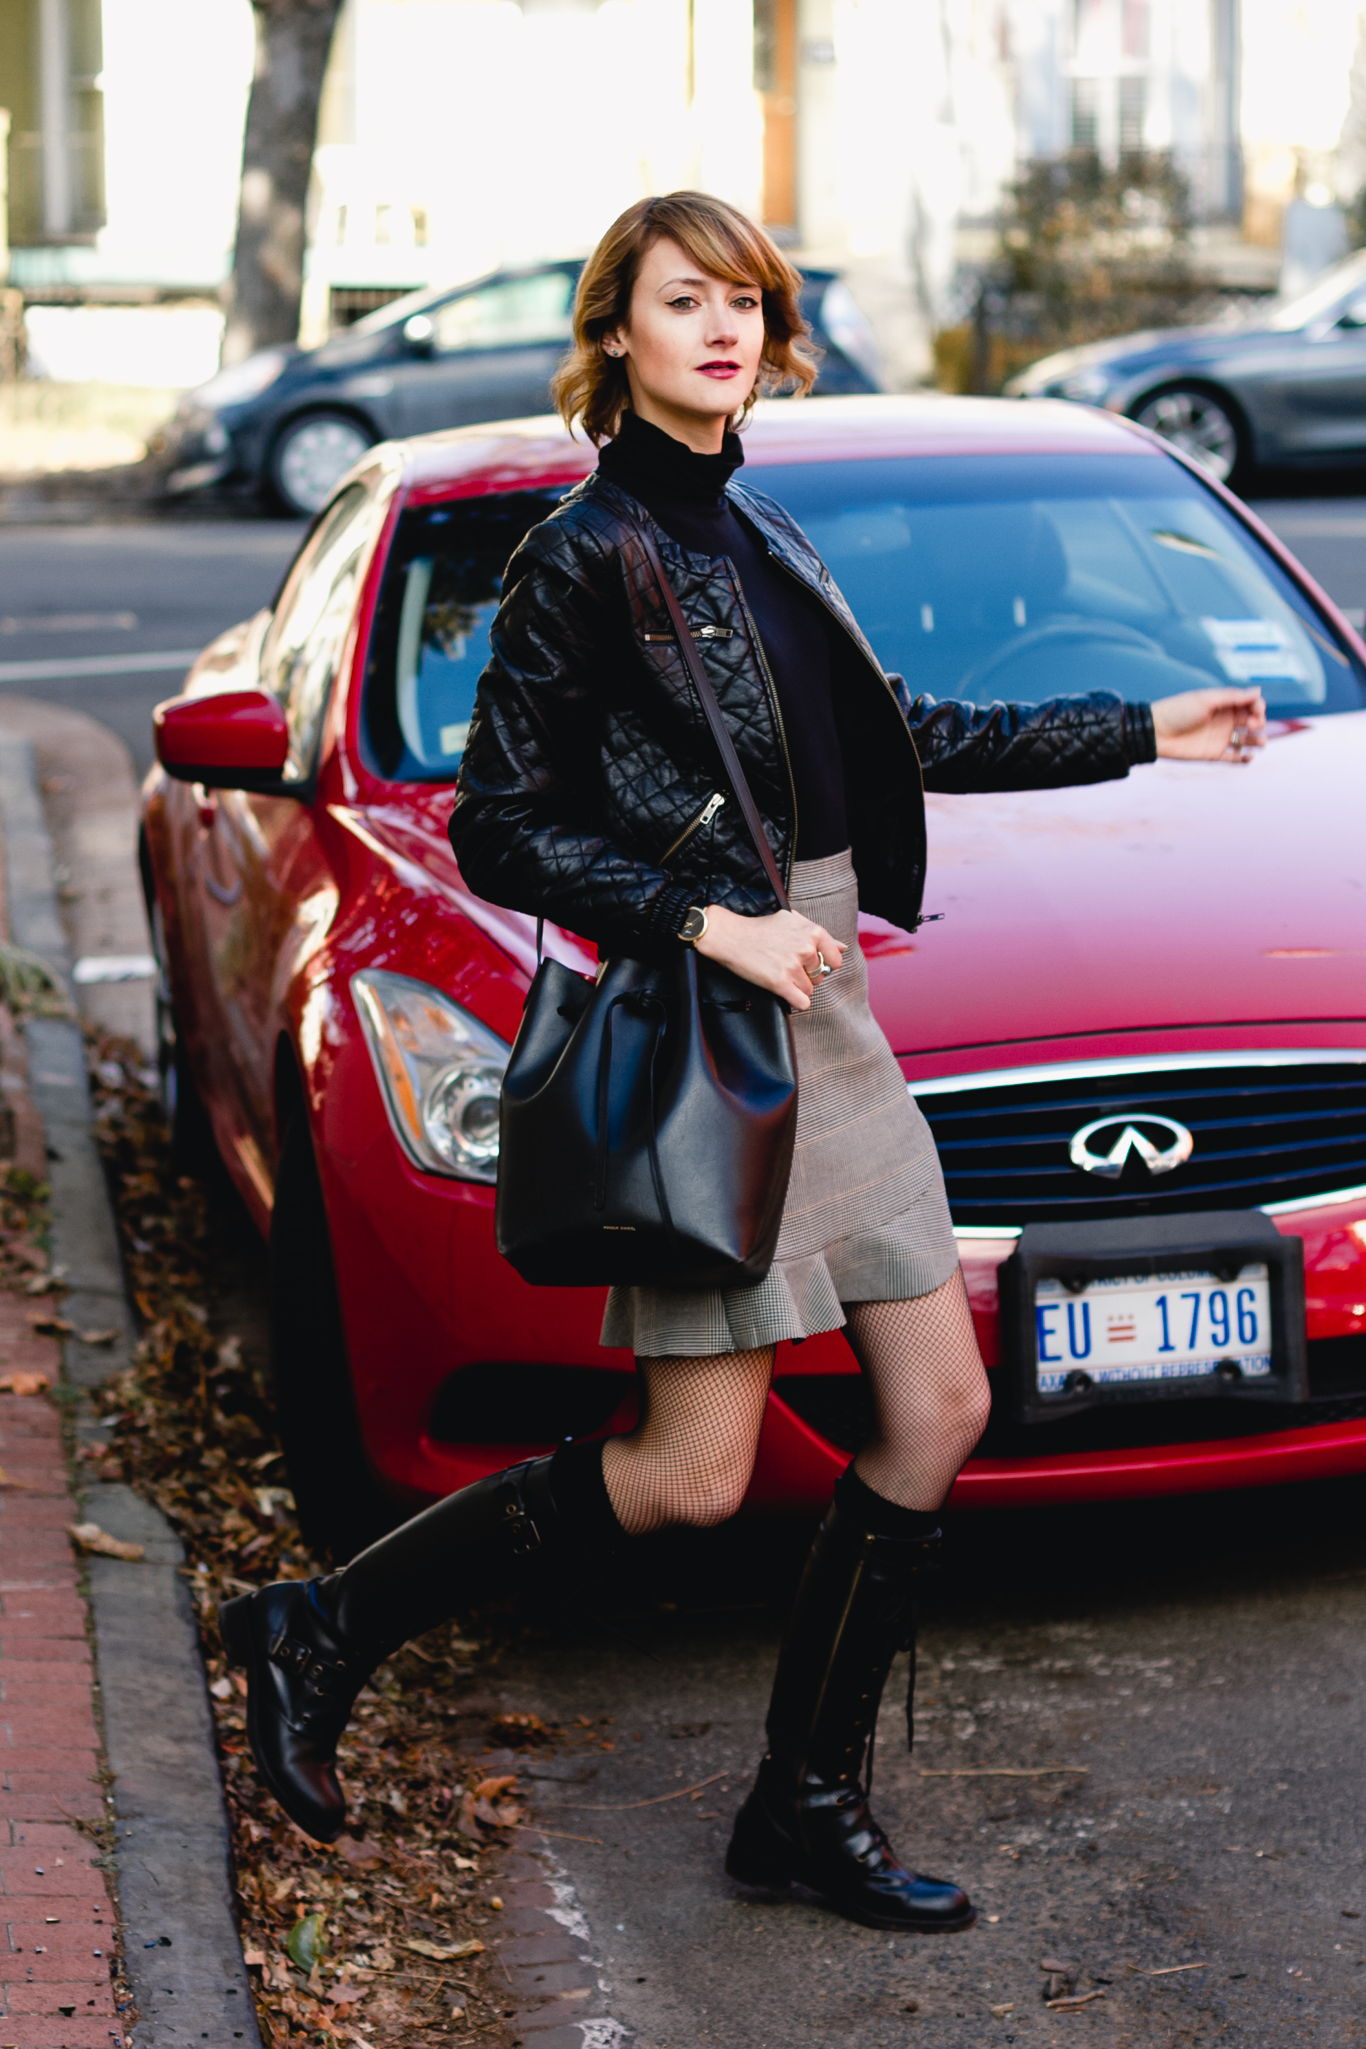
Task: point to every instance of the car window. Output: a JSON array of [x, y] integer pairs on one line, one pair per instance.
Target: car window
[[1020, 578], [305, 638], [520, 311], [1321, 296], [430, 642]]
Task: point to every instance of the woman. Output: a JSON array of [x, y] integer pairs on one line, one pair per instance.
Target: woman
[[586, 796]]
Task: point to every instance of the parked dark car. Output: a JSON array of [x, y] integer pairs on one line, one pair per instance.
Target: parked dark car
[[294, 420], [1287, 385]]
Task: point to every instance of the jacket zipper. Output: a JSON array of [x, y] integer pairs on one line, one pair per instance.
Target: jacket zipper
[[772, 689], [704, 817]]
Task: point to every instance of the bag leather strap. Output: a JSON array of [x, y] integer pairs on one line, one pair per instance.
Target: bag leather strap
[[725, 746]]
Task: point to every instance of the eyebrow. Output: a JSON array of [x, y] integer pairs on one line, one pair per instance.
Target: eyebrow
[[734, 283]]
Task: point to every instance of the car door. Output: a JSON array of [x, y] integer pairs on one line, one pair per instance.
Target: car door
[[264, 887], [1323, 393], [493, 352]]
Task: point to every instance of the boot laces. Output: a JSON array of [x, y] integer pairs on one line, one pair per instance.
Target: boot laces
[[323, 1679]]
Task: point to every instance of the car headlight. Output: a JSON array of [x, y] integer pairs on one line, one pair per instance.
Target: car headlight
[[242, 381], [1087, 387], [440, 1070]]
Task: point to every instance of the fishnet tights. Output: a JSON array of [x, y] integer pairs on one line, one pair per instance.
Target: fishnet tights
[[929, 1388], [690, 1457]]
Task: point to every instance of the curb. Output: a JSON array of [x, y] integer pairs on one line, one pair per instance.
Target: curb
[[183, 1954]]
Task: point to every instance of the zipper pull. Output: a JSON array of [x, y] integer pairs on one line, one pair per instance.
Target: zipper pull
[[713, 805], [929, 918]]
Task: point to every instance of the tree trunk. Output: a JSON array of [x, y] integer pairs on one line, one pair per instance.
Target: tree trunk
[[293, 38]]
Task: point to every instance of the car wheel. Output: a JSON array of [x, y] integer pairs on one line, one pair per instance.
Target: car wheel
[[194, 1150], [341, 1507], [1202, 426], [311, 455]]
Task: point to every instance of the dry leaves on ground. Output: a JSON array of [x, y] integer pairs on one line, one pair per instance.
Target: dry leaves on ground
[[378, 1938]]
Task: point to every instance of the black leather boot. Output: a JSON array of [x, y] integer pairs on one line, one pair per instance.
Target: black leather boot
[[807, 1818], [308, 1646]]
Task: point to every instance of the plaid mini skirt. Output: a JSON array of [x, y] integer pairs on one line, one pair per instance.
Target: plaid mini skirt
[[866, 1218]]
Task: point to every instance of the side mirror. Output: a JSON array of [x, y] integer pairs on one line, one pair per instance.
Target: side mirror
[[229, 740], [420, 334]]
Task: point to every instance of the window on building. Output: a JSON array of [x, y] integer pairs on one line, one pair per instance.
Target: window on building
[[51, 58], [1086, 113], [1133, 113]]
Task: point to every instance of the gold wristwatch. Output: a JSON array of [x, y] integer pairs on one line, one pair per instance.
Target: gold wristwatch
[[694, 926]]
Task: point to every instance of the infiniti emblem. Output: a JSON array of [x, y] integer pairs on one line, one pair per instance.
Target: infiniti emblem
[[1116, 1139]]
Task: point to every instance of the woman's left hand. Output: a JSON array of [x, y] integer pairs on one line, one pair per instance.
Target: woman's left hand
[[1210, 725]]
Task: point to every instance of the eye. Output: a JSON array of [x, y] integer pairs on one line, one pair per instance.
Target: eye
[[745, 303], [684, 302]]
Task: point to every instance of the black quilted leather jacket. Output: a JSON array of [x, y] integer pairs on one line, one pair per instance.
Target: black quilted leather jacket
[[589, 764]]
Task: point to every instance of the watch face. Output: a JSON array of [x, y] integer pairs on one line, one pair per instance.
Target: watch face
[[694, 925]]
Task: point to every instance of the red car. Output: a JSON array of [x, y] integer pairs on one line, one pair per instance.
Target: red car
[[1141, 1001]]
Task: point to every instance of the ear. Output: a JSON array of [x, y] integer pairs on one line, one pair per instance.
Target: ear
[[614, 344]]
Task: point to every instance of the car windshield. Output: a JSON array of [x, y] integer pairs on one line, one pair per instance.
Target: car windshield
[[979, 577], [1024, 577]]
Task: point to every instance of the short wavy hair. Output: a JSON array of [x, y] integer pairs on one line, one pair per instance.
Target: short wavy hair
[[591, 388]]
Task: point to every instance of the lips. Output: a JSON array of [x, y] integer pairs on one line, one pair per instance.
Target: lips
[[719, 369]]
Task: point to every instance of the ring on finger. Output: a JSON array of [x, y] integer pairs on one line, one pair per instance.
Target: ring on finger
[[823, 967], [1238, 739]]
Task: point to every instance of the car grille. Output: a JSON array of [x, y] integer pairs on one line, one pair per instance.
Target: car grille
[[1264, 1134]]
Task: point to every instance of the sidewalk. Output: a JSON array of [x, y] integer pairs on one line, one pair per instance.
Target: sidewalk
[[60, 1923]]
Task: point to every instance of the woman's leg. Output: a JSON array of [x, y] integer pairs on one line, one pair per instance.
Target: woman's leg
[[308, 1648], [808, 1816], [929, 1388], [689, 1458]]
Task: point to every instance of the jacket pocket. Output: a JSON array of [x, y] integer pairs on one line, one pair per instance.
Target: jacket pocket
[[704, 817]]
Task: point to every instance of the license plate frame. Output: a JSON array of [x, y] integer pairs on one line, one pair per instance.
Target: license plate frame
[[1220, 1242]]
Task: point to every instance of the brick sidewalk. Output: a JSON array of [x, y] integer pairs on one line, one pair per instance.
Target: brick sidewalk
[[59, 1920]]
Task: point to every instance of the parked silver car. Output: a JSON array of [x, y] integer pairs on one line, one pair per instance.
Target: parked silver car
[[1287, 385]]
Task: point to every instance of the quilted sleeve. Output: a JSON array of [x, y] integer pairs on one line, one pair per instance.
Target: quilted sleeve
[[526, 828], [1091, 739]]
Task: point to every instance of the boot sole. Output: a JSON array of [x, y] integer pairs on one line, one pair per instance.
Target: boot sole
[[234, 1626]]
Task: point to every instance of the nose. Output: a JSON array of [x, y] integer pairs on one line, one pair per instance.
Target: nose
[[722, 328]]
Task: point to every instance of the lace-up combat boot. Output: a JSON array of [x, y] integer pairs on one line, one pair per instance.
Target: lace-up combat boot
[[308, 1646], [807, 1819]]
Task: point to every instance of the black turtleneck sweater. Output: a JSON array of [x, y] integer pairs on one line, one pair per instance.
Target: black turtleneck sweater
[[686, 495]]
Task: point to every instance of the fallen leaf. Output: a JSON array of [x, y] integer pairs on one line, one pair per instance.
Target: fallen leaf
[[999, 2012], [97, 1337], [1053, 1964], [440, 1953], [489, 1789], [47, 1326], [89, 1537], [306, 1942], [24, 1383], [254, 1959]]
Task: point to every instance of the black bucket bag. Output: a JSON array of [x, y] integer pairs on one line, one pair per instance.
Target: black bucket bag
[[648, 1118]]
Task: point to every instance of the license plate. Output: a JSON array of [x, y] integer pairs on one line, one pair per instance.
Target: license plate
[[1116, 1331]]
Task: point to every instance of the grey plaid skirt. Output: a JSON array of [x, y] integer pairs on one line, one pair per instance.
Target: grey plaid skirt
[[866, 1218]]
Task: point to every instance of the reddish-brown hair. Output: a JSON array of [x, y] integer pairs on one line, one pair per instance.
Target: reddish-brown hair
[[591, 387]]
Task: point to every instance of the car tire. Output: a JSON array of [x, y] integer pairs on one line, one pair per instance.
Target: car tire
[[194, 1149], [1203, 424], [310, 456], [340, 1504]]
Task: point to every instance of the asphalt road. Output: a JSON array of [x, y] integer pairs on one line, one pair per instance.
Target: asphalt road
[[118, 596], [1198, 1667]]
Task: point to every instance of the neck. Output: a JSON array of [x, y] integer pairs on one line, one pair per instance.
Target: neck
[[703, 433]]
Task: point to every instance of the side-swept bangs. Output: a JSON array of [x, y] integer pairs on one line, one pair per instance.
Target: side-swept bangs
[[591, 388]]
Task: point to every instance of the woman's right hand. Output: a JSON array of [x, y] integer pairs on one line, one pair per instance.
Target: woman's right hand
[[781, 952]]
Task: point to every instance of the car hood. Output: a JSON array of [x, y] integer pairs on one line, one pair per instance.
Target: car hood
[[1188, 895]]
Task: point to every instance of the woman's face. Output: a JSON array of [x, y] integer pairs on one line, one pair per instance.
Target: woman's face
[[691, 347]]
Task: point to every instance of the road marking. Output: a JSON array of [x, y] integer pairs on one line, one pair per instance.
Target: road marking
[[99, 665]]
